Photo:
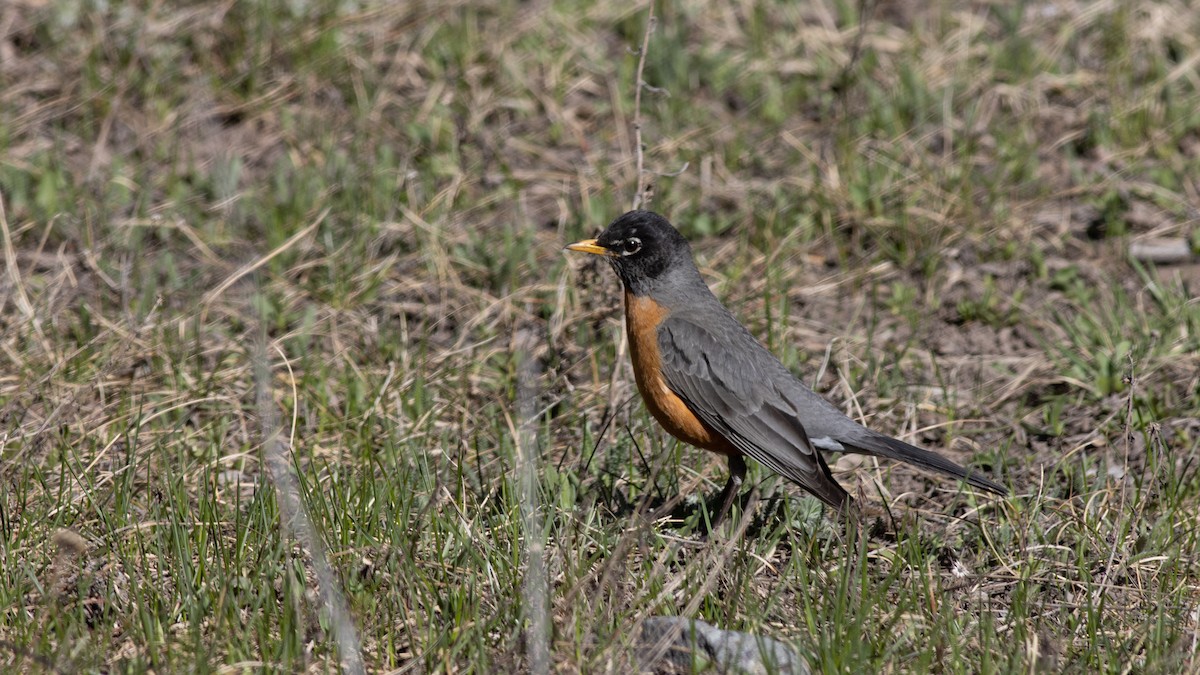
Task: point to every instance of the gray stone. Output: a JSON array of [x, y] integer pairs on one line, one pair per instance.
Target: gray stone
[[673, 644]]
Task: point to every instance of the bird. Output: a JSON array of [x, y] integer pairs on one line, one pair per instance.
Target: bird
[[710, 383]]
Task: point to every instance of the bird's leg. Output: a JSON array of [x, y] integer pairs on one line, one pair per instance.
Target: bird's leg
[[737, 472]]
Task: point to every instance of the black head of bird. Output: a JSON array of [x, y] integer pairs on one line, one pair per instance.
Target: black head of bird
[[641, 246]]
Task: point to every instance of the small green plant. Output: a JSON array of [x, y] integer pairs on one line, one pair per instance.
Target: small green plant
[[991, 307]]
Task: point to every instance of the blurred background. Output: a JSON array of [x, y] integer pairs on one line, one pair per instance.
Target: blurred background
[[972, 225]]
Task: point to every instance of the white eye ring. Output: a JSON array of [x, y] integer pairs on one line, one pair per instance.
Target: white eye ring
[[631, 245]]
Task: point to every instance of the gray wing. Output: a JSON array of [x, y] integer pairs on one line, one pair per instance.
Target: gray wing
[[731, 382]]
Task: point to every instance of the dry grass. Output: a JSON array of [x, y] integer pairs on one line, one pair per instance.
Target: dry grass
[[926, 215]]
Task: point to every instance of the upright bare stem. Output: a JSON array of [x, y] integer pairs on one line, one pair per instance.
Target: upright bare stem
[[651, 21]]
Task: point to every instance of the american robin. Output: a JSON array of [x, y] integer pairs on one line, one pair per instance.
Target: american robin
[[710, 383]]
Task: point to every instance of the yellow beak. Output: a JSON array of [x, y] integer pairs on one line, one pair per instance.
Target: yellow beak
[[589, 246]]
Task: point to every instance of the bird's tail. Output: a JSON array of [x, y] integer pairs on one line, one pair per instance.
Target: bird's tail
[[886, 446]]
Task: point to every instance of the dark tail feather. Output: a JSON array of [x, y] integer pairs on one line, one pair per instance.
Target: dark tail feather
[[885, 446]]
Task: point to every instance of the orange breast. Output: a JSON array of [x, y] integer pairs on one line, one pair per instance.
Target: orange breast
[[642, 316]]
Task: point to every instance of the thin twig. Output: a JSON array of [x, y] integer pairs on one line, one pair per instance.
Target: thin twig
[[651, 21], [1123, 489], [534, 589], [866, 10], [294, 517]]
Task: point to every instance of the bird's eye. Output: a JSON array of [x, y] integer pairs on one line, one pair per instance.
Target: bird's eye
[[631, 245]]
